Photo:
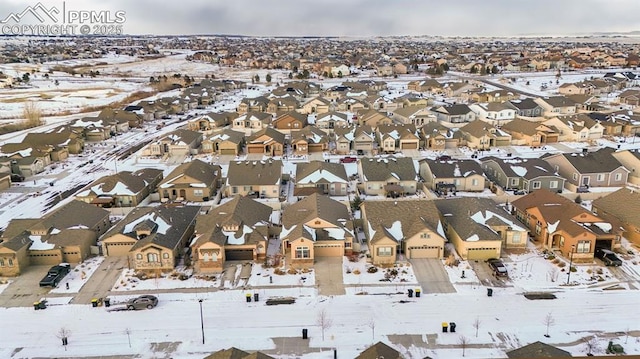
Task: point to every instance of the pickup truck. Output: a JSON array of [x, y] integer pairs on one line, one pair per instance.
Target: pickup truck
[[55, 275]]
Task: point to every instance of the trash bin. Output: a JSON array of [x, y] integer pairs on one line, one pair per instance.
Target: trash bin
[[489, 292], [445, 325], [256, 296], [417, 292], [107, 302], [452, 327], [94, 302], [304, 334], [36, 305], [410, 292], [248, 297]]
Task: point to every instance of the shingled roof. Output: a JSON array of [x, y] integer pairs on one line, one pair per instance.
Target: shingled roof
[[527, 168], [624, 204], [196, 169], [313, 207], [593, 162], [453, 169], [121, 183], [412, 215], [248, 173], [380, 169], [320, 172]]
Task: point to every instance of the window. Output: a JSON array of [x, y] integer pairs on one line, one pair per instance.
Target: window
[[197, 192], [553, 184], [385, 251], [139, 256], [152, 257], [514, 181], [538, 228], [536, 184], [234, 190], [516, 237], [1, 262], [303, 252], [165, 255], [575, 176], [474, 182], [10, 262], [425, 235], [600, 177], [583, 247], [618, 176], [347, 244]]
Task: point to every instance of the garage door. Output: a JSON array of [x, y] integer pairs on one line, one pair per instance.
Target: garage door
[[410, 146], [482, 253], [117, 249], [328, 250], [227, 151], [239, 254], [255, 149], [424, 252]]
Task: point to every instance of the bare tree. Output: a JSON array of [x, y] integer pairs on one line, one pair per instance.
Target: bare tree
[[476, 324], [548, 321], [63, 334], [372, 324], [324, 321], [128, 332], [464, 342], [553, 274], [591, 344], [32, 114]]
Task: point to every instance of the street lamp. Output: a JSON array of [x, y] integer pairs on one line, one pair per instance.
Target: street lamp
[[201, 320], [570, 263]]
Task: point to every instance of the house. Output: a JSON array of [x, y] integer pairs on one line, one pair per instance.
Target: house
[[211, 121], [527, 107], [565, 227], [282, 104], [624, 206], [458, 113], [592, 169], [580, 88], [123, 189], [236, 230], [175, 144], [380, 350], [259, 178], [316, 226], [266, 141], [318, 105], [363, 139], [556, 106], [529, 133], [455, 89], [309, 140], [413, 115], [630, 160], [392, 138], [153, 238], [224, 142], [407, 228], [478, 228], [344, 138], [60, 142], [452, 176], [120, 117], [351, 104], [528, 174], [321, 177], [388, 176], [372, 118], [194, 181], [256, 104], [234, 353], [427, 85], [328, 121], [497, 96], [538, 350], [482, 135], [630, 97], [437, 137], [289, 121], [65, 235], [497, 112], [251, 122], [578, 128], [26, 161]]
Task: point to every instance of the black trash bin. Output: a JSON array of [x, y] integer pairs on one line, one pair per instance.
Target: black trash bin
[[489, 292], [304, 334], [256, 296], [94, 302], [452, 327], [417, 292], [445, 325], [410, 292], [248, 296], [107, 302]]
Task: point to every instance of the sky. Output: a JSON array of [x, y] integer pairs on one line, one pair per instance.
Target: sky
[[356, 18]]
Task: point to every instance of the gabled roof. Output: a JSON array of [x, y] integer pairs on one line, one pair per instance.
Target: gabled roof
[[201, 172], [316, 206], [453, 110], [538, 350], [528, 168], [263, 117], [121, 183], [525, 127], [320, 172], [231, 353], [290, 114], [453, 169], [401, 219], [182, 136], [379, 350], [624, 204], [332, 115], [227, 135], [558, 101], [311, 134], [381, 169], [524, 104], [247, 173], [593, 162], [479, 128], [269, 132]]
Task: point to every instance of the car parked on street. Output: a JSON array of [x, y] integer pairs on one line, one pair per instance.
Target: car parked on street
[[142, 302], [348, 160], [498, 267], [55, 275], [608, 257]]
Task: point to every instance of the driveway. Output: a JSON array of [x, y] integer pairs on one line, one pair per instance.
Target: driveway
[[485, 274], [431, 276], [329, 276], [102, 280], [25, 289]]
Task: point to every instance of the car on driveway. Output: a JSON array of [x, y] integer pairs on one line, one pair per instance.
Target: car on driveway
[[608, 257], [498, 267], [142, 302], [55, 275], [348, 160]]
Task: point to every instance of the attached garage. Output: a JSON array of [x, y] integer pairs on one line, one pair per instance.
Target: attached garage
[[238, 254], [228, 151], [424, 252], [410, 145], [117, 249], [328, 249], [482, 253], [255, 149]]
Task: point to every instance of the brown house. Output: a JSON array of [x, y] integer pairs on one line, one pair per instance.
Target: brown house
[[309, 140], [123, 189], [624, 206], [225, 142], [321, 177], [380, 350], [236, 230], [290, 121], [194, 181], [529, 133], [254, 178], [266, 141], [592, 169]]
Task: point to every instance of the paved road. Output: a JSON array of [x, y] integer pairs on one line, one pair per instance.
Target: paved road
[[485, 274], [431, 276], [102, 280], [329, 276]]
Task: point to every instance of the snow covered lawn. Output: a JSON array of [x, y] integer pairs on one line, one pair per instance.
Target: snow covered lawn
[[361, 272], [262, 276], [78, 276]]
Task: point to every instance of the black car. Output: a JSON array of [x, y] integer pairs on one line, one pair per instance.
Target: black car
[[498, 267], [17, 177], [55, 275], [608, 257]]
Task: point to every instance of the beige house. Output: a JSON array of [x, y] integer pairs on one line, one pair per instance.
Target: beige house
[[225, 142], [317, 105], [321, 177], [631, 161], [328, 121], [123, 189], [452, 176], [316, 226], [254, 178], [592, 169], [309, 140], [194, 181], [579, 128], [251, 122], [483, 135], [177, 143], [404, 229], [397, 137], [236, 230], [414, 115], [388, 177], [624, 206], [267, 141]]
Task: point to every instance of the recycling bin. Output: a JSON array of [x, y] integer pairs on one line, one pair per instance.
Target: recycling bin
[[410, 292], [489, 292], [304, 334], [452, 327], [445, 326], [417, 292]]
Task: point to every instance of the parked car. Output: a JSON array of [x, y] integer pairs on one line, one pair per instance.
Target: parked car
[[348, 160], [608, 257], [443, 158], [55, 275], [17, 177], [498, 267], [142, 302]]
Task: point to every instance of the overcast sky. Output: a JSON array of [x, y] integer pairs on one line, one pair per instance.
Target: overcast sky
[[362, 17]]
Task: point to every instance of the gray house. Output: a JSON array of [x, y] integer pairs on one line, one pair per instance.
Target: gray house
[[526, 107], [528, 174]]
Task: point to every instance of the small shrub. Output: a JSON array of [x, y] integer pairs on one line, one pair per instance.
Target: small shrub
[[356, 272], [551, 257], [372, 269], [561, 264], [589, 271], [573, 269], [557, 261], [600, 271], [292, 271], [278, 271]]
